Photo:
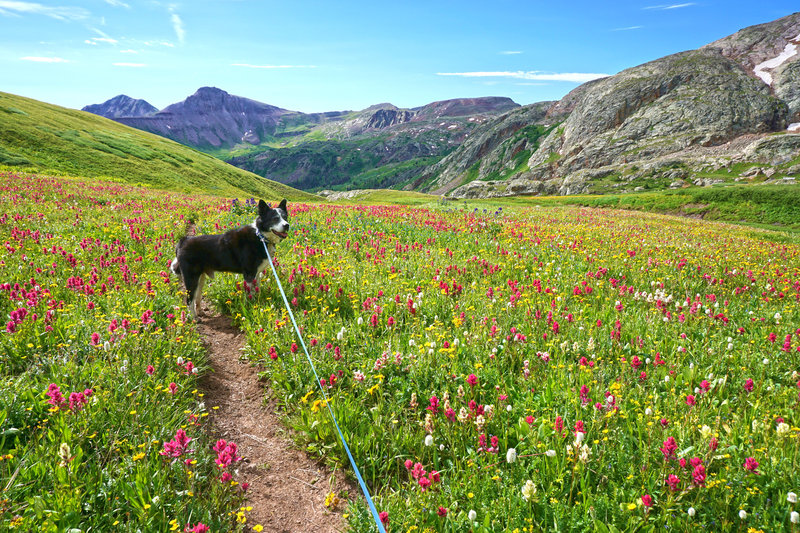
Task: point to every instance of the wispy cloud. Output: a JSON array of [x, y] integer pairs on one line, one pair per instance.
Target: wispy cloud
[[128, 51], [117, 3], [579, 77], [670, 6], [510, 52], [177, 25], [131, 65], [248, 65], [95, 40], [32, 8], [628, 28], [159, 43], [39, 59]]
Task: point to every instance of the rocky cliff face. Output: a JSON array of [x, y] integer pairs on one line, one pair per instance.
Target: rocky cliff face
[[695, 106], [121, 106]]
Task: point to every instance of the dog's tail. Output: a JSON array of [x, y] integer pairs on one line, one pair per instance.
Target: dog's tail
[[174, 266], [191, 231]]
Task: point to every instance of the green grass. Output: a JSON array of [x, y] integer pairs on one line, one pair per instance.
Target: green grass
[[40, 137], [774, 207], [389, 196]]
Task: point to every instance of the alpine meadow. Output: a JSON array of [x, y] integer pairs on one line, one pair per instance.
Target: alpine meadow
[[577, 314]]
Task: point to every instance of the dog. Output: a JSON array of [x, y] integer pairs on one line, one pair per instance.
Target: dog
[[240, 251]]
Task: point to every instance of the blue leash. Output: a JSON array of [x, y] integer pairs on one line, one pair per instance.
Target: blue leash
[[364, 488]]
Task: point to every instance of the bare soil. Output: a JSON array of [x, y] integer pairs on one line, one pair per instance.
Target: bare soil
[[287, 488]]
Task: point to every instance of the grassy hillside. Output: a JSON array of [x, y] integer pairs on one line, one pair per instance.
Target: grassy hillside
[[48, 138]]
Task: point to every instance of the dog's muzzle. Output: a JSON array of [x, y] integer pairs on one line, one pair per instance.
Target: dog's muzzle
[[280, 234]]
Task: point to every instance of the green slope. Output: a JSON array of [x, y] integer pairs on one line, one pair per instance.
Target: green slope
[[47, 138]]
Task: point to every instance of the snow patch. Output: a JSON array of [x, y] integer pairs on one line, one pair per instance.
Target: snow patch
[[789, 50], [795, 126]]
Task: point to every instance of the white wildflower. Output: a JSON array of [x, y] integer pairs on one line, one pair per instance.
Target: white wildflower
[[528, 490], [511, 455]]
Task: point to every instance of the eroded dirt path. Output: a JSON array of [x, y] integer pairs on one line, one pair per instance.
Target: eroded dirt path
[[287, 488]]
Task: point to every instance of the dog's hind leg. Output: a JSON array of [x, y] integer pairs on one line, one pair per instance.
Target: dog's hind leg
[[197, 296]]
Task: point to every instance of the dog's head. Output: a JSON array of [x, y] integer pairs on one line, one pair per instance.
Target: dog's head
[[273, 222]]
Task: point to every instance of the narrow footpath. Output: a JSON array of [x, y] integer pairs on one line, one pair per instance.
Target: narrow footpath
[[287, 488]]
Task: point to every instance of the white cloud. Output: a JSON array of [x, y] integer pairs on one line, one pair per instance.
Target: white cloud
[[117, 3], [95, 40], [32, 8], [131, 65], [510, 52], [579, 77], [248, 65], [628, 28], [670, 6], [159, 43], [128, 52], [38, 59], [177, 25]]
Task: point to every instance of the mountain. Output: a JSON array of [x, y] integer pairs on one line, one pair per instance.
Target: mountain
[[380, 147], [700, 116], [121, 106], [40, 137], [212, 118]]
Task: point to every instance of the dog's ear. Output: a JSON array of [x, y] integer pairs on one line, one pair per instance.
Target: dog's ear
[[282, 205], [262, 207]]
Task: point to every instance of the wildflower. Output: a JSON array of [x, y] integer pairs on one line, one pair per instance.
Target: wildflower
[[511, 455], [528, 490], [173, 388], [150, 370], [197, 528], [705, 432], [647, 500], [748, 386], [791, 497], [794, 517], [750, 464], [669, 447], [472, 515], [699, 475], [782, 429], [690, 400], [472, 379], [691, 512], [742, 514], [65, 454], [428, 440], [550, 453], [441, 511], [384, 517], [673, 481]]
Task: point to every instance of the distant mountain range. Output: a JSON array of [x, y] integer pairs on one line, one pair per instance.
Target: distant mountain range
[[380, 146], [727, 111]]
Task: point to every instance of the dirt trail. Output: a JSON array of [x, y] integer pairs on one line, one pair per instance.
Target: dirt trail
[[287, 488]]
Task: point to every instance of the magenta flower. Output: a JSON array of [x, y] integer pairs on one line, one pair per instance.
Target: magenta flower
[[669, 447], [748, 386], [699, 475], [750, 464], [647, 500], [472, 379], [690, 400], [673, 481], [384, 516]]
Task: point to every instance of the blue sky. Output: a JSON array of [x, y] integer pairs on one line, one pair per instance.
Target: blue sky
[[325, 55]]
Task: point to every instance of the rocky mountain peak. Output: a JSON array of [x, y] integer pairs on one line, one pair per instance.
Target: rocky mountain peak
[[121, 106]]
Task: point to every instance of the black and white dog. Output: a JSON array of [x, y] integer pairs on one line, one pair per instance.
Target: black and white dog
[[239, 250]]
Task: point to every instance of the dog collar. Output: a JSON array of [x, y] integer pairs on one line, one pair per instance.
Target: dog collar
[[259, 235]]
